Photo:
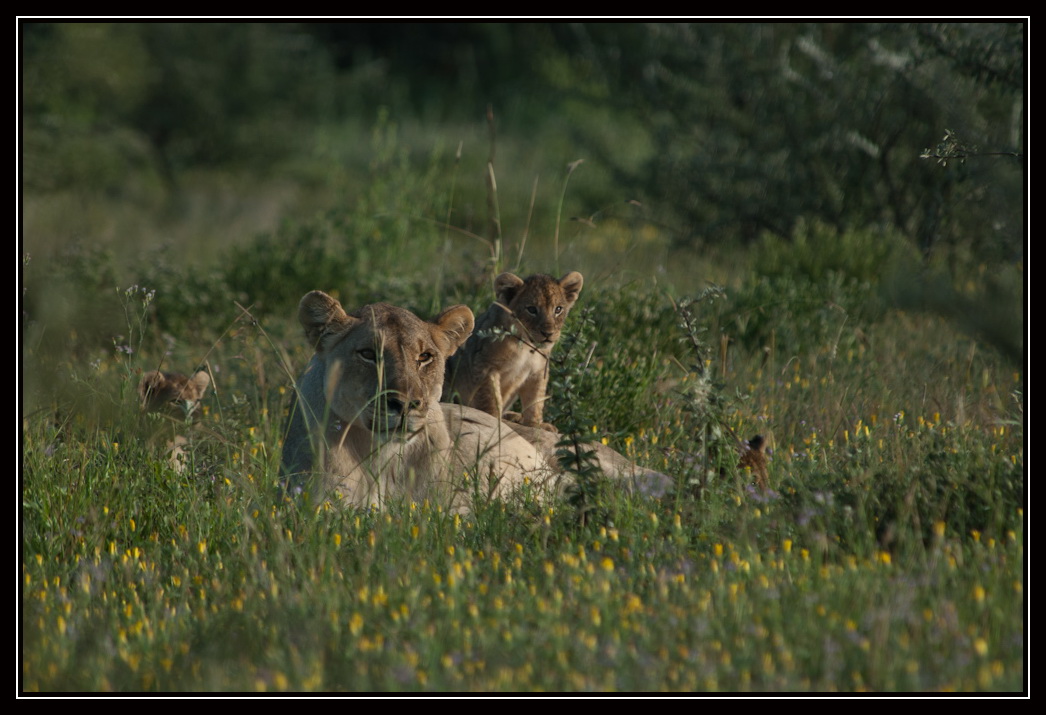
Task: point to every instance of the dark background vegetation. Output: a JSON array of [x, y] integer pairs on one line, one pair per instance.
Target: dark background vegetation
[[735, 128], [164, 153]]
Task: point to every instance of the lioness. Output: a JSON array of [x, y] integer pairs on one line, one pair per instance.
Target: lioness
[[368, 422], [508, 354], [367, 415], [179, 396]]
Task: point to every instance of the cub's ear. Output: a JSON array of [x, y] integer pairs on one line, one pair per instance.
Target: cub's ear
[[456, 325], [322, 317], [150, 387], [505, 287], [571, 284], [197, 386]]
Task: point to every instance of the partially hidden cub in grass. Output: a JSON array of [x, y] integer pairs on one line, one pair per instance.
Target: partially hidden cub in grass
[[507, 356], [753, 456], [177, 396]]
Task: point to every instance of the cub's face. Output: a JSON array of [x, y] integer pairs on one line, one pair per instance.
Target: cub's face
[[160, 390], [384, 366], [539, 304]]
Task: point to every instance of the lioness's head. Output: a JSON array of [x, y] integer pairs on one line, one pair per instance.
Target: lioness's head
[[383, 365], [540, 303], [158, 390]]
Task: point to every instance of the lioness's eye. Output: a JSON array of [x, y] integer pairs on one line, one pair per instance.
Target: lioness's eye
[[368, 355], [424, 358]]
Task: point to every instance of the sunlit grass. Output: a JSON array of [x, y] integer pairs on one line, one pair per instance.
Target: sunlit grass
[[887, 556], [135, 578], [416, 599]]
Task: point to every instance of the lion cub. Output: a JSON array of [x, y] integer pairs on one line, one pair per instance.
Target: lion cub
[[159, 389], [178, 395], [507, 355]]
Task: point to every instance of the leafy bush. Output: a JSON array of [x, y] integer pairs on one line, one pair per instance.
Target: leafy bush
[[819, 287]]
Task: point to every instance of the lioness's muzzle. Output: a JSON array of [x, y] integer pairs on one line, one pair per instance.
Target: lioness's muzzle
[[394, 413]]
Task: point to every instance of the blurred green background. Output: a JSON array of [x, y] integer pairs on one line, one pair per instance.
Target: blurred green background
[[218, 163]]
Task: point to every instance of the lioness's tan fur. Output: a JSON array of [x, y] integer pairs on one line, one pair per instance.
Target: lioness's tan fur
[[367, 424], [507, 356]]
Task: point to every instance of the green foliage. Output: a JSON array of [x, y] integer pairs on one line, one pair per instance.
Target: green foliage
[[702, 397], [591, 490], [755, 127], [275, 270], [73, 313], [723, 131], [814, 250], [792, 317], [191, 299], [624, 354], [138, 579], [174, 95], [815, 287], [895, 488], [984, 302], [899, 535], [991, 53], [384, 246]]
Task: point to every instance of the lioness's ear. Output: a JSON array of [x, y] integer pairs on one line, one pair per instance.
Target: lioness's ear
[[571, 284], [505, 287], [322, 316], [456, 324]]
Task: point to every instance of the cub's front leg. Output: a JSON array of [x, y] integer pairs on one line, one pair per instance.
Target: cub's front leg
[[532, 397], [488, 397]]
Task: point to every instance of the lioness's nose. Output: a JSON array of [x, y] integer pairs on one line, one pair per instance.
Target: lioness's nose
[[397, 405]]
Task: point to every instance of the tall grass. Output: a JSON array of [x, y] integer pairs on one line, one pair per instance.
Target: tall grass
[[887, 556]]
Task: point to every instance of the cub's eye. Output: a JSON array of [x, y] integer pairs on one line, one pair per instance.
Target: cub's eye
[[559, 309], [532, 310], [368, 355], [424, 358]]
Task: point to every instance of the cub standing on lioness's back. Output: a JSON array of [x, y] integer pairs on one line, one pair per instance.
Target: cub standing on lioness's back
[[507, 355], [367, 424]]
